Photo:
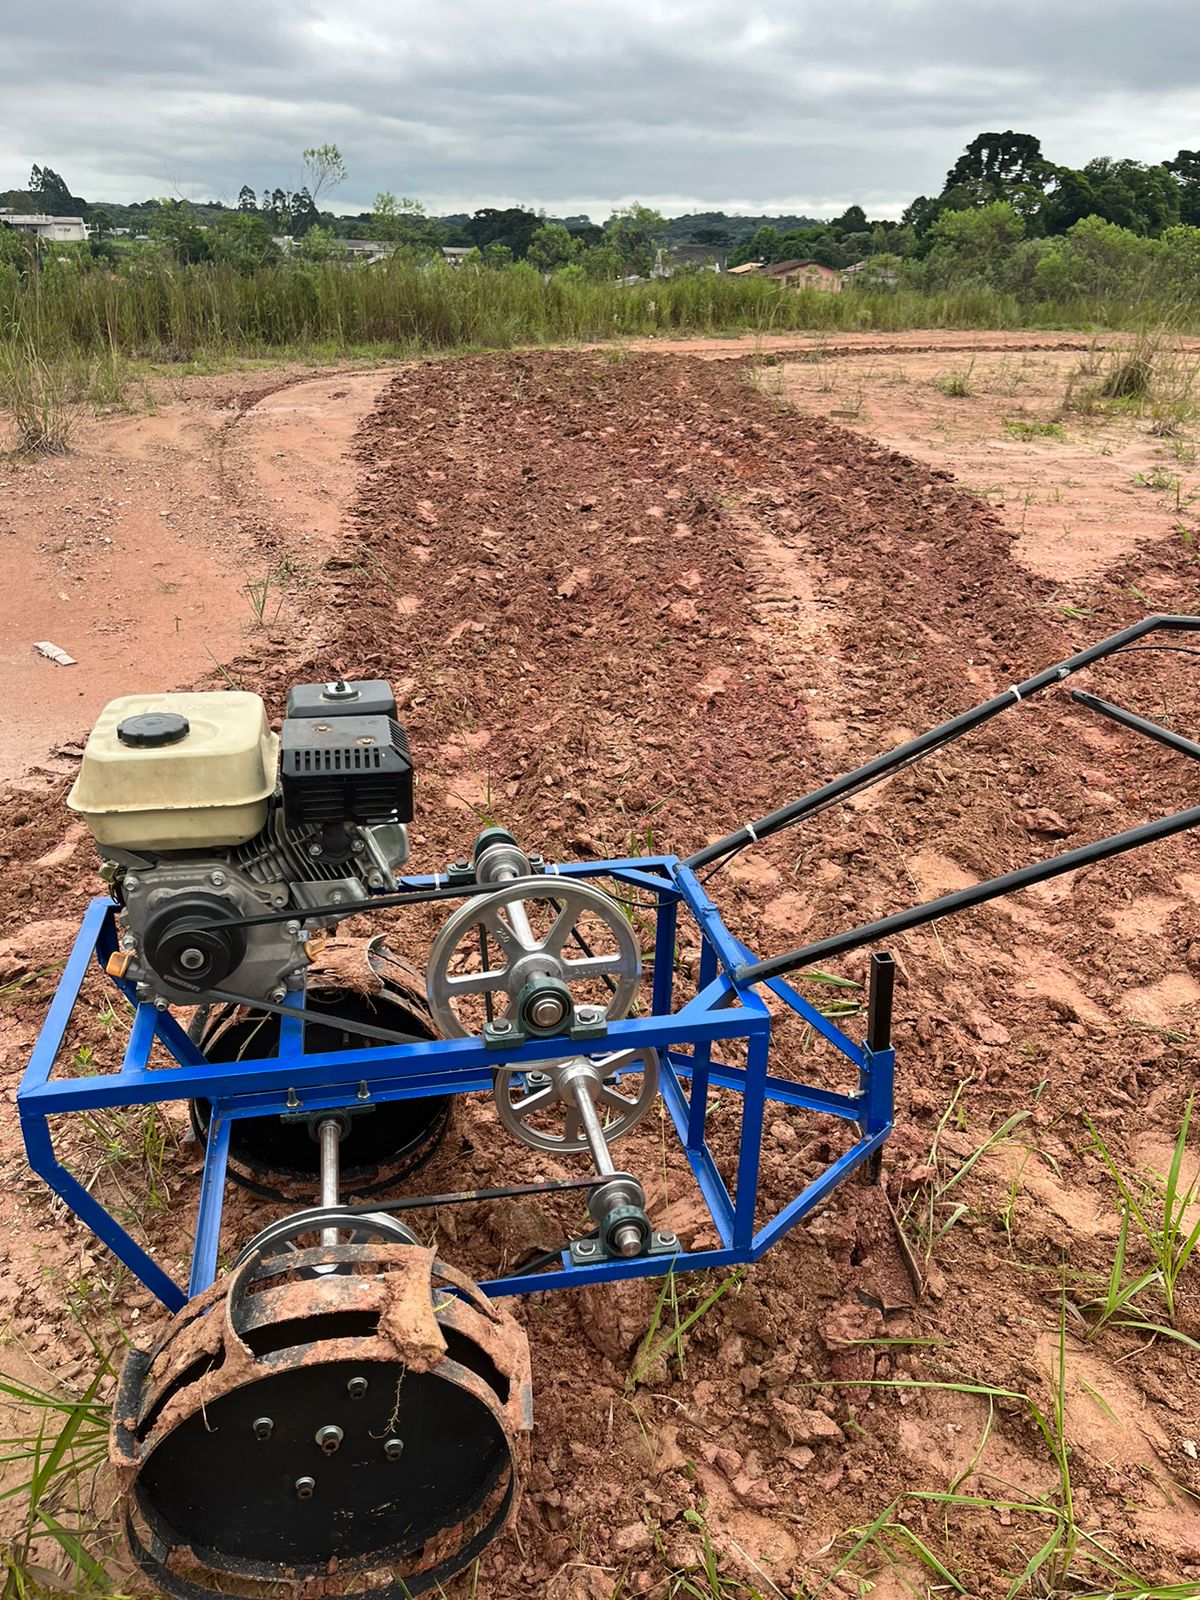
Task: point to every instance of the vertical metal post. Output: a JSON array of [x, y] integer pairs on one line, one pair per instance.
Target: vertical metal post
[[664, 956], [701, 1056], [212, 1196], [877, 1078], [750, 1148]]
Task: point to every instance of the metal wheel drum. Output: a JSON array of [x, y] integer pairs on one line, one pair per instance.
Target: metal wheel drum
[[380, 1146], [535, 926], [541, 1107], [290, 1427]]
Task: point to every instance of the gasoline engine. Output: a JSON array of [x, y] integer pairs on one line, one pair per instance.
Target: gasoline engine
[[332, 1409]]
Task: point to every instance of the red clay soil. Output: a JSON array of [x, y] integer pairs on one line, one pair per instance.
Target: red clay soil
[[629, 602]]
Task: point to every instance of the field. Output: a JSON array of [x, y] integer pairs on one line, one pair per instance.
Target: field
[[630, 598]]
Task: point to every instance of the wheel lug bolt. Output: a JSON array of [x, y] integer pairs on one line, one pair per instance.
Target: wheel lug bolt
[[356, 1388], [329, 1438], [263, 1427], [305, 1487], [394, 1449]]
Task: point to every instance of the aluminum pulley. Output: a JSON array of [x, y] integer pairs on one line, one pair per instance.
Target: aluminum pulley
[[541, 1106], [527, 954]]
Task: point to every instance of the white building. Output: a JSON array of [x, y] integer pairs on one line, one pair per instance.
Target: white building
[[54, 230]]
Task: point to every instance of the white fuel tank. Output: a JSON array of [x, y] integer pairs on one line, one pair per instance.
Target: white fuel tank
[[177, 771]]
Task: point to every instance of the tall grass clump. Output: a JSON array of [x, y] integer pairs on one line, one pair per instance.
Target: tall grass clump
[[34, 391]]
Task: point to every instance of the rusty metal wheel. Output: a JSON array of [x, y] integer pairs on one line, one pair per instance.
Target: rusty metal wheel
[[297, 1425]]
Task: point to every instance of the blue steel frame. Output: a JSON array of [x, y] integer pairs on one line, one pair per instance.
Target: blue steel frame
[[721, 1010]]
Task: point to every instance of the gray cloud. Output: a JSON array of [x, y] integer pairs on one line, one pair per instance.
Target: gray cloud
[[579, 105]]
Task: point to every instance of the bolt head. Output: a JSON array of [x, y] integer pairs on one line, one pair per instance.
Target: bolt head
[[501, 1025], [215, 878], [586, 1247], [191, 959], [132, 882], [263, 1427], [305, 1487], [627, 1241], [356, 1388], [393, 1449], [329, 1438]]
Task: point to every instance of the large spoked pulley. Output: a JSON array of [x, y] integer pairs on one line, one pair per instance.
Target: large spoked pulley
[[274, 1156], [530, 952], [292, 1427], [542, 1106]]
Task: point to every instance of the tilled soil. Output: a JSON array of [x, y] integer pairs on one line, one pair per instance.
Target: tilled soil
[[628, 604]]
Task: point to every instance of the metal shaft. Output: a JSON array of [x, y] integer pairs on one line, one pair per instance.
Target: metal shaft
[[592, 1131], [329, 1136], [518, 921]]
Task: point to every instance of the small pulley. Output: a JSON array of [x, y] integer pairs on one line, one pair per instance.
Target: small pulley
[[539, 957]]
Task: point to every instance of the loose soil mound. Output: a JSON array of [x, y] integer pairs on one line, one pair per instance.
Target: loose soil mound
[[629, 603]]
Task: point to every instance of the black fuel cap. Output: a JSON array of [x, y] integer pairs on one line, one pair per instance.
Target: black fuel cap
[[153, 729]]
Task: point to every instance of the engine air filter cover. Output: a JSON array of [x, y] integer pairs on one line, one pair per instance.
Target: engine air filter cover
[[345, 769]]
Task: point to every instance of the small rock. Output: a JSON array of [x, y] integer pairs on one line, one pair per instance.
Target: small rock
[[636, 1536]]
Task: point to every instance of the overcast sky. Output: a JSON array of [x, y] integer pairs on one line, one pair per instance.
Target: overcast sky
[[578, 105]]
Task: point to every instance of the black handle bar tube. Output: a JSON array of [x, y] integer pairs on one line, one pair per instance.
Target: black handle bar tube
[[1142, 725], [943, 734], [962, 899]]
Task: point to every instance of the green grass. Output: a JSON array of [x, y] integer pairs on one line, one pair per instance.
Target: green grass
[[56, 1462], [1018, 428]]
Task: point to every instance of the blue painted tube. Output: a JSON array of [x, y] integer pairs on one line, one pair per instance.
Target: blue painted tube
[[212, 1197]]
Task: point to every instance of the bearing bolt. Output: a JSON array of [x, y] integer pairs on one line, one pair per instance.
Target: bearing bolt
[[356, 1388], [586, 1247], [394, 1449], [305, 1487], [263, 1427], [329, 1438]]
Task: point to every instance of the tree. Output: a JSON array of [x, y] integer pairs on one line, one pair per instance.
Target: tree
[[993, 162], [765, 244], [247, 199], [173, 226], [1186, 170], [242, 240], [101, 223], [325, 168], [975, 245], [634, 232], [1095, 257], [278, 211], [1069, 200], [400, 222], [1143, 199], [513, 227], [50, 194], [304, 213], [852, 220], [551, 246]]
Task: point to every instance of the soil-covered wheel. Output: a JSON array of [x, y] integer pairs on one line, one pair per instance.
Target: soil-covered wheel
[[276, 1156], [297, 1425]]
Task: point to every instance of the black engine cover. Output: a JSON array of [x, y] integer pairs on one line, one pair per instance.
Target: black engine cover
[[345, 769]]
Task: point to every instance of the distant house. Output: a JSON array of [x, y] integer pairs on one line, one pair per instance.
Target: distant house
[[54, 230], [455, 254], [747, 267], [669, 261], [367, 249], [878, 277], [805, 275]]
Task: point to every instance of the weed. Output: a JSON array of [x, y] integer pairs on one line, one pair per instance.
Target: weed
[[62, 1454], [35, 393], [930, 1214], [659, 1345], [1156, 1212], [957, 385], [1017, 428]]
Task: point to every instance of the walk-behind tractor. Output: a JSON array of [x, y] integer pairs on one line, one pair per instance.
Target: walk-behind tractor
[[335, 1409]]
